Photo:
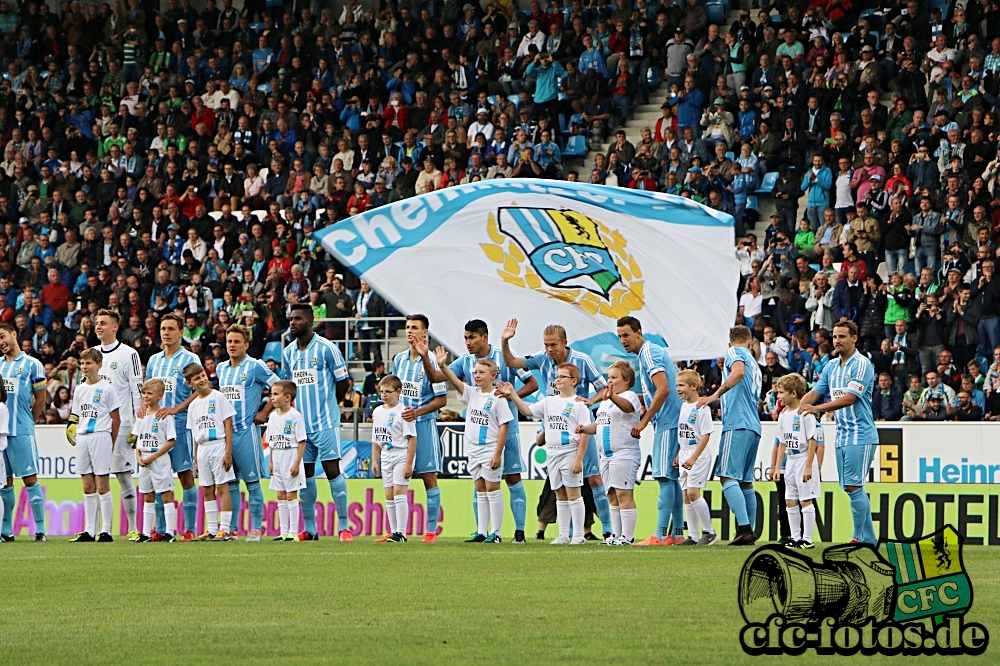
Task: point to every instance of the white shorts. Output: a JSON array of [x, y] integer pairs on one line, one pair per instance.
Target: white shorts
[[282, 480], [392, 465], [210, 469], [479, 463], [93, 454], [560, 472], [700, 472], [157, 477], [795, 488], [123, 455], [619, 472]]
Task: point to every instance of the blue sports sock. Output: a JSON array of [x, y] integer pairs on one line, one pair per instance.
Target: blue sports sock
[[676, 509], [237, 500], [664, 503], [603, 506], [161, 520], [861, 510], [518, 504], [338, 488], [255, 498], [190, 501], [308, 505], [9, 507], [737, 502], [37, 500], [751, 502], [475, 506], [433, 508]]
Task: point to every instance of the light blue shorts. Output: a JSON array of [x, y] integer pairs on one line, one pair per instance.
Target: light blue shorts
[[322, 445], [591, 463], [182, 453], [665, 449], [428, 458], [248, 455], [737, 455], [853, 463], [512, 463], [21, 457]]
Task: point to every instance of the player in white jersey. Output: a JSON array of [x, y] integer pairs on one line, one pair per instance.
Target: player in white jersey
[[394, 450], [694, 459], [210, 420], [564, 445], [154, 438], [795, 444], [121, 368], [617, 414], [286, 438], [487, 420], [93, 427]]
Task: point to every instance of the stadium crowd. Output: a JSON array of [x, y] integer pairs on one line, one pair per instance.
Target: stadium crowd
[[167, 159]]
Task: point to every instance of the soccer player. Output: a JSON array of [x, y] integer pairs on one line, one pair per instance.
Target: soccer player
[[121, 368], [93, 428], [487, 420], [286, 437], [739, 394], [154, 438], [565, 445], [795, 446], [556, 351], [394, 450], [24, 380], [617, 414], [849, 382], [320, 374], [168, 366], [421, 399], [657, 376], [4, 421], [242, 379], [210, 419], [694, 459], [477, 343]]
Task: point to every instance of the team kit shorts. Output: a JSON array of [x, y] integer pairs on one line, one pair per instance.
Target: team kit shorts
[[560, 468], [93, 453], [322, 445], [182, 452], [700, 472], [157, 477], [665, 448], [619, 472], [795, 488], [248, 455], [122, 454], [392, 465], [479, 463], [737, 455], [282, 479], [211, 471], [854, 462]]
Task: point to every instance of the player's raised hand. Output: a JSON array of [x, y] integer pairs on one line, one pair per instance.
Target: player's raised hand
[[440, 355], [409, 414], [419, 345], [505, 389], [510, 330]]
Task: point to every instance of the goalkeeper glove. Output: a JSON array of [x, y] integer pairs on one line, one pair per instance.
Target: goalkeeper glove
[[71, 429], [131, 439]]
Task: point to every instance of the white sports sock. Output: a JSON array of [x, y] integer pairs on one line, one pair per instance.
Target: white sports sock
[[496, 510], [129, 497], [578, 512], [106, 512], [211, 516], [90, 513], [483, 507], [616, 520], [283, 517], [704, 515], [692, 517], [402, 514], [149, 516], [169, 516], [563, 518], [390, 512], [808, 522], [293, 517], [795, 522], [1, 509], [628, 523], [225, 519]]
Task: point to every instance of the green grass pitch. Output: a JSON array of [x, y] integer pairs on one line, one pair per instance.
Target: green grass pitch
[[366, 603]]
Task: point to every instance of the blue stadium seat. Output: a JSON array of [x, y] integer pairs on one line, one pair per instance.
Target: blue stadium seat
[[563, 125], [752, 203], [576, 146], [272, 352], [716, 12], [514, 99], [653, 77], [730, 155], [865, 13], [767, 186]]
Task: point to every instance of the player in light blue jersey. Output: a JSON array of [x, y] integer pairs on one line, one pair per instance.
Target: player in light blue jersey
[[740, 396], [658, 379], [24, 379], [242, 380], [850, 382], [422, 397], [592, 383], [168, 366], [320, 374], [477, 343]]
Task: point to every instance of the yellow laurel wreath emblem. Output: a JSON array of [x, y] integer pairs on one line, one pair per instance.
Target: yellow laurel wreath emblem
[[624, 298]]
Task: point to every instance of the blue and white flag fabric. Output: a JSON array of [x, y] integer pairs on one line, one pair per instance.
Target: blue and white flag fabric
[[549, 252]]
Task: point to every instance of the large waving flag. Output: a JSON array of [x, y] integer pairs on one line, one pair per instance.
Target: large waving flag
[[549, 252]]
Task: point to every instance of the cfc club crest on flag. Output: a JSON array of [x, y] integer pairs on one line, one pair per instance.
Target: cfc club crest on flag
[[930, 576], [565, 255]]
